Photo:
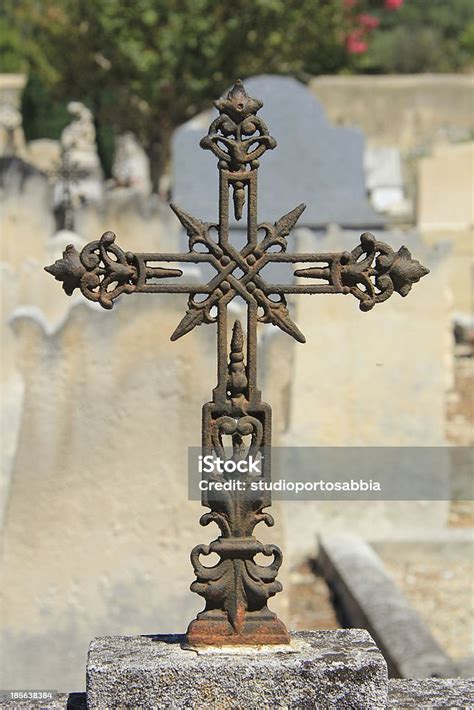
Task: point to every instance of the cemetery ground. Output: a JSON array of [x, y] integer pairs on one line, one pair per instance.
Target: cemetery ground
[[460, 424], [433, 577]]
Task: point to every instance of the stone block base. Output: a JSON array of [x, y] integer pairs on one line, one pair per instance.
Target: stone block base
[[322, 669]]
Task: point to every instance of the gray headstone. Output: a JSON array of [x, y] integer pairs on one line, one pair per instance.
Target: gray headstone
[[314, 162]]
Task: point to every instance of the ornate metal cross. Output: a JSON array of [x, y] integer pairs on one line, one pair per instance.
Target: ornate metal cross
[[236, 589]]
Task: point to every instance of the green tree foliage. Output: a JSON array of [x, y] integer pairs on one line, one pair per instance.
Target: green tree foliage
[[422, 36], [11, 51], [43, 116], [148, 65]]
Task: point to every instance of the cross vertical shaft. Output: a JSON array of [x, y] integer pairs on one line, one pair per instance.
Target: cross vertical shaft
[[237, 588]]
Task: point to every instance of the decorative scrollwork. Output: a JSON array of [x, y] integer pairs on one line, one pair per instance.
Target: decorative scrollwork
[[238, 424], [275, 234], [380, 272], [238, 137], [237, 589], [257, 583], [109, 271], [371, 272], [276, 313], [237, 429], [198, 232], [227, 258], [102, 271]]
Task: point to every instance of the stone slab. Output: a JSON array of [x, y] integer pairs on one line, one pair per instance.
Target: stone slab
[[329, 669], [427, 694], [369, 597], [431, 694]]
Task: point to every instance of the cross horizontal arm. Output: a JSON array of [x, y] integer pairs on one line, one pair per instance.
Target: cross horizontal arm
[[371, 272], [103, 271]]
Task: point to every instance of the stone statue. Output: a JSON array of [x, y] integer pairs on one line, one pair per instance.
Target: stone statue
[[12, 139], [78, 138], [78, 142]]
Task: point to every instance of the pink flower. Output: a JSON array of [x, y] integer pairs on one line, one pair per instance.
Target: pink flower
[[393, 4], [354, 43], [368, 22]]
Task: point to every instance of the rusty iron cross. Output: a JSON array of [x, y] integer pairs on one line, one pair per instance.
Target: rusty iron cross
[[236, 589]]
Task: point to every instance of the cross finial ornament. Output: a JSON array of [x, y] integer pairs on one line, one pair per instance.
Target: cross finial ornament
[[236, 589]]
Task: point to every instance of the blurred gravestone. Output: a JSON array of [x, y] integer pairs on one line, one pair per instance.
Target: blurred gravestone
[[315, 163], [446, 189], [384, 181], [131, 168], [445, 210], [44, 153]]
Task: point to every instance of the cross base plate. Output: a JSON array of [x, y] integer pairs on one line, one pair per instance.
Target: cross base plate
[[214, 629]]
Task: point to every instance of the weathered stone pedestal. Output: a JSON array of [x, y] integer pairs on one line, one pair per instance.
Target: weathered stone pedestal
[[337, 670], [323, 669]]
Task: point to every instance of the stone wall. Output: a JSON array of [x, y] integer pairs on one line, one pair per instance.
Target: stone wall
[[425, 110], [446, 212]]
